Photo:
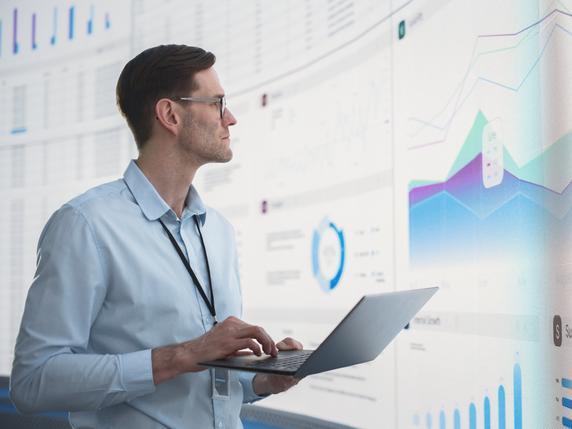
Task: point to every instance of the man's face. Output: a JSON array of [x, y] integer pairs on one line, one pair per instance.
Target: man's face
[[205, 135]]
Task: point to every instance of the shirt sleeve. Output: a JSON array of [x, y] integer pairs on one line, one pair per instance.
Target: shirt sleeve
[[53, 369], [249, 395]]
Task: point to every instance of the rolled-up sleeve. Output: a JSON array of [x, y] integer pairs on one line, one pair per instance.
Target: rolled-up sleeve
[[52, 368]]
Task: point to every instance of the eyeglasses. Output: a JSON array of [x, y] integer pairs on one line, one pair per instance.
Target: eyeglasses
[[221, 101]]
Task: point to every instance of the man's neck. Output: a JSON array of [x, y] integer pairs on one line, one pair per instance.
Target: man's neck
[[170, 176]]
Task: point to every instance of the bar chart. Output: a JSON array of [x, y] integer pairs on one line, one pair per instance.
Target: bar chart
[[473, 416], [566, 401], [28, 30]]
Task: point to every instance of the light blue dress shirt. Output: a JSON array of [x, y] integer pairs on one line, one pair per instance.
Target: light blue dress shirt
[[109, 287]]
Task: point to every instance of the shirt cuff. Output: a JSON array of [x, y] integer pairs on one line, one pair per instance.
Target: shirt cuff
[[137, 372], [249, 395]]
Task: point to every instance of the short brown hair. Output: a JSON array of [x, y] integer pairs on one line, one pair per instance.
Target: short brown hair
[[162, 71]]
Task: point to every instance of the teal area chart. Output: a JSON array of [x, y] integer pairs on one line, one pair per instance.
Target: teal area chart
[[462, 220]]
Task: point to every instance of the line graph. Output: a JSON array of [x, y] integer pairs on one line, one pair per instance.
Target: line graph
[[460, 86], [442, 120]]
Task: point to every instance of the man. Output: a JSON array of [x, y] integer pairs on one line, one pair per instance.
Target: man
[[133, 275]]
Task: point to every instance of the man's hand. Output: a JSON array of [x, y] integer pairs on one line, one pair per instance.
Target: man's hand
[[265, 384], [230, 336], [224, 339]]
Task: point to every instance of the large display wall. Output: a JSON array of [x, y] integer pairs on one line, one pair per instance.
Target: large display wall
[[380, 146]]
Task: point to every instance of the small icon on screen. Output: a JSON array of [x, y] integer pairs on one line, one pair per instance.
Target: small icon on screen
[[401, 30], [557, 331]]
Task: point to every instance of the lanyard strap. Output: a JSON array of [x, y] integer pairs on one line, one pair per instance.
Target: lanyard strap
[[210, 304]]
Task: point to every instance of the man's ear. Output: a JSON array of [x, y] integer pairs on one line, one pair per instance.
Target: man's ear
[[167, 116]]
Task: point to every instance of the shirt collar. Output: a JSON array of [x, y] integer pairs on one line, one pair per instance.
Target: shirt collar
[[194, 205], [152, 204]]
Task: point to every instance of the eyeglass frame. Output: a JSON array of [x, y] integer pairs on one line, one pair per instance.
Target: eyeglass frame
[[221, 101]]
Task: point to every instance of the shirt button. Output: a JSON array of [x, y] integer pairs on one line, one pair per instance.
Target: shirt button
[[219, 424]]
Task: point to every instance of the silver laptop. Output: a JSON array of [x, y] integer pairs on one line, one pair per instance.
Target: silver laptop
[[360, 337]]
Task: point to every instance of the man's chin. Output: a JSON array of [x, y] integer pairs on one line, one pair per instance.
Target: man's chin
[[224, 157]]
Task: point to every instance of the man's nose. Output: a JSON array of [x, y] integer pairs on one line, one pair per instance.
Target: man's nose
[[228, 118]]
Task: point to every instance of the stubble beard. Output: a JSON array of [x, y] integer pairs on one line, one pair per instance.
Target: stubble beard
[[203, 143]]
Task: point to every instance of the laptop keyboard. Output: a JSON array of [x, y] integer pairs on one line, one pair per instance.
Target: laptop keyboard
[[291, 362]]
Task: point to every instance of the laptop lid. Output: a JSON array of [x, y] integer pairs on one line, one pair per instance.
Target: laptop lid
[[360, 337], [366, 330]]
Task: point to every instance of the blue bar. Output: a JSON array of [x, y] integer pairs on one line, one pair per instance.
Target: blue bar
[[442, 420], [55, 26], [34, 44], [472, 416], [567, 383], [71, 21], [567, 422], [517, 397], [15, 32], [428, 421], [567, 402], [18, 130], [487, 409], [457, 419], [502, 409], [107, 21], [90, 21]]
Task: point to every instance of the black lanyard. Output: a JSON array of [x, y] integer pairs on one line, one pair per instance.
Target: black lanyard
[[210, 304]]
